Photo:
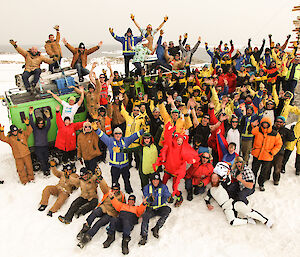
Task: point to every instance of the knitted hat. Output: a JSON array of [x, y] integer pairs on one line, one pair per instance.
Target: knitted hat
[[155, 176], [13, 128], [85, 125], [129, 31], [81, 45], [131, 197], [175, 111], [115, 185], [281, 118]]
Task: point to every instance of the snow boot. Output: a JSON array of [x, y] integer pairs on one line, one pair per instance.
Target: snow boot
[[179, 200], [63, 220], [85, 239], [189, 195], [42, 207], [85, 228], [109, 240], [143, 240], [1, 181], [49, 213], [155, 231], [125, 241]]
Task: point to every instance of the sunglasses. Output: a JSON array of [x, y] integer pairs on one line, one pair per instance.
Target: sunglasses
[[102, 77], [41, 123], [205, 157], [279, 121], [234, 121], [136, 110], [270, 104], [87, 127], [239, 162], [117, 133]]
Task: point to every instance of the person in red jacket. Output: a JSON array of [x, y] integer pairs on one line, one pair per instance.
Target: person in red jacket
[[66, 136], [231, 80], [129, 214], [198, 176]]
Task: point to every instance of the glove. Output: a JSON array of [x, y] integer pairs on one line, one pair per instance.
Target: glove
[[170, 199], [14, 43], [122, 90], [56, 27], [185, 35], [206, 44], [221, 42], [47, 113], [288, 36], [26, 121], [116, 149], [231, 43], [166, 18], [52, 163], [200, 184], [264, 41], [111, 30], [132, 16], [104, 71], [151, 198], [147, 121], [1, 128], [270, 35], [94, 126]]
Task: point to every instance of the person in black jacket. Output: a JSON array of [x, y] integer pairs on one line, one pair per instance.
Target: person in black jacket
[[173, 50], [257, 53], [40, 133], [154, 116], [287, 135]]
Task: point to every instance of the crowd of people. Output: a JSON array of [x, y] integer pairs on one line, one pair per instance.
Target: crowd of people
[[221, 129]]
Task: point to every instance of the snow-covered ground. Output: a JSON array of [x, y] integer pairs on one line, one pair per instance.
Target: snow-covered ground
[[191, 230]]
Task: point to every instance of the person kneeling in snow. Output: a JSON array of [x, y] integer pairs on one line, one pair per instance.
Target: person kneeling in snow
[[88, 199], [158, 195], [62, 190], [105, 211], [232, 208], [198, 176], [129, 214]]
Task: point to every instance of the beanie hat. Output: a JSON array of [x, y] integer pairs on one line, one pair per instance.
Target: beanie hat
[[83, 171], [281, 118], [175, 111], [118, 130], [129, 31], [13, 128], [115, 185], [102, 109], [91, 86], [81, 45], [155, 176], [131, 197]]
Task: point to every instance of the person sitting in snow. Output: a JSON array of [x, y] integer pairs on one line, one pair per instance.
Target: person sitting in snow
[[231, 208]]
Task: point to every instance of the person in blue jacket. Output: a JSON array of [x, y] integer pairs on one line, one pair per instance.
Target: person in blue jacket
[[40, 134], [118, 160], [157, 194], [128, 42]]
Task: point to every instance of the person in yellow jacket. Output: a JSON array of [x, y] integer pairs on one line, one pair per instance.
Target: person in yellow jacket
[[221, 105], [291, 145], [182, 124], [134, 123]]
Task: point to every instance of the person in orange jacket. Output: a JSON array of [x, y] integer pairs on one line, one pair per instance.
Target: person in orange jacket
[[267, 143], [129, 214]]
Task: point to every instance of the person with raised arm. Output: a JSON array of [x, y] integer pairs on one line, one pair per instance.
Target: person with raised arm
[[80, 54], [53, 49]]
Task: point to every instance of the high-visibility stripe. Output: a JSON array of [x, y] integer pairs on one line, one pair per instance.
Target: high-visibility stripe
[[138, 134], [158, 199], [114, 159]]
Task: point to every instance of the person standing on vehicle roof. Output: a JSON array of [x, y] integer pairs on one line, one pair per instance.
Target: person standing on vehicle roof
[[127, 41], [33, 61], [70, 108], [40, 133], [53, 49], [79, 60]]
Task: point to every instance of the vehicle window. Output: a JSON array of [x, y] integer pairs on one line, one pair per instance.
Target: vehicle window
[[39, 112], [22, 116]]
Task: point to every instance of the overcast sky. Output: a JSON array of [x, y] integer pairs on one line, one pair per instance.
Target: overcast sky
[[30, 22]]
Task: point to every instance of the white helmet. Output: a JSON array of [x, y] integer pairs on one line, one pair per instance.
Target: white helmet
[[222, 169]]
